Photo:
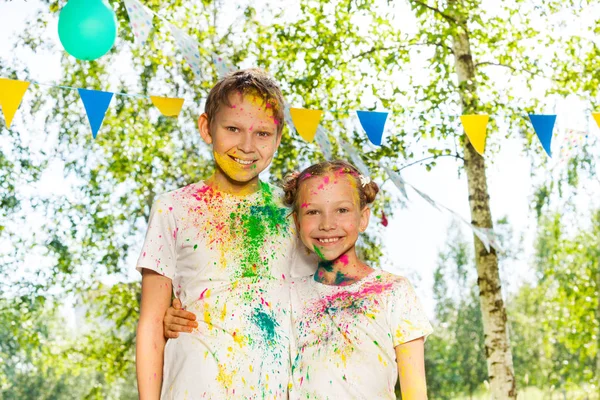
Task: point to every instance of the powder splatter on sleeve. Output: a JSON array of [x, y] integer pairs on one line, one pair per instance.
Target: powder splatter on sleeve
[[406, 316], [158, 252]]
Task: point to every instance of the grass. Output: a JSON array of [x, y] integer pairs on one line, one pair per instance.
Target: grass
[[533, 393]]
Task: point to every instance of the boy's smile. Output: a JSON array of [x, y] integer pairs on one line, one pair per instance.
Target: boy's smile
[[244, 139]]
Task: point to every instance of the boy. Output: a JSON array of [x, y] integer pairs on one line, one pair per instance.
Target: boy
[[225, 247]]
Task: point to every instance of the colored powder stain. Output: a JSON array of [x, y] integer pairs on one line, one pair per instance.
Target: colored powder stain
[[202, 294], [253, 166], [207, 317], [225, 378], [261, 222], [344, 259], [326, 265], [321, 256], [267, 325], [341, 279], [195, 246], [304, 205]]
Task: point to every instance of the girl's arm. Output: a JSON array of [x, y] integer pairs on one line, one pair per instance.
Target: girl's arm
[[411, 368], [156, 298]]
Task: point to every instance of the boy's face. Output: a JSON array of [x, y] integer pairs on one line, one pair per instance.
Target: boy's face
[[244, 139], [329, 217]]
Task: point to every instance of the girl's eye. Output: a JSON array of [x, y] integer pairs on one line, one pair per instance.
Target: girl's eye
[[343, 210], [312, 212]]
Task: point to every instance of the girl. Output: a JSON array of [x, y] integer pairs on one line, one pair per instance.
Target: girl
[[356, 329]]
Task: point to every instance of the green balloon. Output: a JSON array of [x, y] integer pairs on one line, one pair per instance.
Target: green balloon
[[87, 28]]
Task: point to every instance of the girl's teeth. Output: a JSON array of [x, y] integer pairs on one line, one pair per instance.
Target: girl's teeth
[[328, 240]]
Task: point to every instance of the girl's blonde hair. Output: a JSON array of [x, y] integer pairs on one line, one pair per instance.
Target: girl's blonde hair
[[291, 183]]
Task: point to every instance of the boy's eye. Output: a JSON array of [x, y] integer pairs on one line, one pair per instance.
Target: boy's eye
[[263, 134], [232, 129], [343, 210]]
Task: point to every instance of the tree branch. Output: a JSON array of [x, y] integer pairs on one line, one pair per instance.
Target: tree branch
[[437, 11]]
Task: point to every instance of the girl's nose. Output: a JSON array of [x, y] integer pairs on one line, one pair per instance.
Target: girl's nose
[[327, 223]]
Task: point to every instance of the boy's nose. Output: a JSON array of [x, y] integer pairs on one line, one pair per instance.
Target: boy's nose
[[246, 143]]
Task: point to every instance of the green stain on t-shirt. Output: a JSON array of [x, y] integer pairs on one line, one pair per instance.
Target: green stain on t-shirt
[[255, 227]]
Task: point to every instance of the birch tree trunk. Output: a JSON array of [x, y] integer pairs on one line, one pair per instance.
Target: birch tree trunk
[[497, 344]]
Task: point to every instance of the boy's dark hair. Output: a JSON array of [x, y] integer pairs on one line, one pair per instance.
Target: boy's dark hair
[[291, 183], [253, 81]]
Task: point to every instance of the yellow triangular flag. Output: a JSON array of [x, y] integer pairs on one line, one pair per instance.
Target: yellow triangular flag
[[597, 118], [306, 122], [11, 94], [475, 128], [169, 107]]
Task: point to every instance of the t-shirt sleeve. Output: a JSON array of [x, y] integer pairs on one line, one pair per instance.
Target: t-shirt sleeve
[[407, 317], [158, 252]]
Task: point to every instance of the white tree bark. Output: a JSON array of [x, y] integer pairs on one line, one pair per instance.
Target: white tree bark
[[497, 345]]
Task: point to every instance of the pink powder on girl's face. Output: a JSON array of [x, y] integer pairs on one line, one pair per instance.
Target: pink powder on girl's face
[[344, 259], [304, 205]]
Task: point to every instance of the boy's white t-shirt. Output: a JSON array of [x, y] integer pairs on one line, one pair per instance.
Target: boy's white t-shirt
[[344, 336], [230, 260]]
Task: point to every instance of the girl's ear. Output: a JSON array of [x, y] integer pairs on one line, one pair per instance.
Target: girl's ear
[[203, 127], [365, 215]]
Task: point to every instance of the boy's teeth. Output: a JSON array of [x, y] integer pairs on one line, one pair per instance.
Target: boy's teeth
[[329, 240], [243, 162]]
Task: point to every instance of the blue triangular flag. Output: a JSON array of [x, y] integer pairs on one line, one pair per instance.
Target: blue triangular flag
[[373, 123], [95, 103], [543, 124]]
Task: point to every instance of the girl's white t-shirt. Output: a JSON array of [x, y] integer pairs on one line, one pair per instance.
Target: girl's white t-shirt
[[344, 338], [230, 259]]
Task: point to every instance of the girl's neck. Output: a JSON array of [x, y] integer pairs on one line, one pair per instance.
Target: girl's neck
[[343, 271]]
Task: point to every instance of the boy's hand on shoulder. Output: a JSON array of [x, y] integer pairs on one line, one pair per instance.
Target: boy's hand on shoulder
[[177, 320]]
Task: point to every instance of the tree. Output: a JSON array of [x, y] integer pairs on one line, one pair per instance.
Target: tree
[[455, 360]]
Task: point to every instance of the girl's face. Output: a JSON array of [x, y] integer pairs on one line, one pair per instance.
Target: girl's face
[[329, 217]]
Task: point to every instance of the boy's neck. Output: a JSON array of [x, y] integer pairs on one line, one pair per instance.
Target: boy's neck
[[222, 183], [343, 271]]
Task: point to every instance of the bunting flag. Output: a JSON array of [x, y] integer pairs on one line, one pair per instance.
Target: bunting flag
[[397, 180], [476, 129], [323, 142], [189, 49], [95, 103], [373, 123], [11, 94], [426, 197], [355, 158], [306, 122], [140, 19], [543, 126], [223, 67], [168, 106], [287, 116], [597, 118], [570, 143]]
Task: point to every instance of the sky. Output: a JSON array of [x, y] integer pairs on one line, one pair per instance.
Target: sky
[[416, 234]]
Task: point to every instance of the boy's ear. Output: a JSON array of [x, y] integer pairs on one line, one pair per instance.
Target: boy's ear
[[203, 127], [365, 215]]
